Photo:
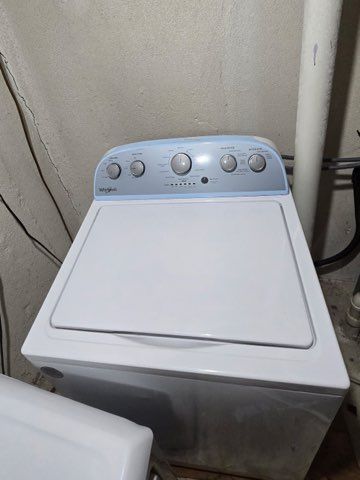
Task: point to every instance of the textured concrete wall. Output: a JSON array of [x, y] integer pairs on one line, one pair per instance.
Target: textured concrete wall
[[94, 74]]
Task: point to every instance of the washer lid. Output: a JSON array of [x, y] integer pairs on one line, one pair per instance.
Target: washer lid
[[213, 269]]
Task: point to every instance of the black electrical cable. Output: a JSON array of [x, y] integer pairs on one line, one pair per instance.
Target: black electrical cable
[[2, 360], [355, 242], [341, 163], [3, 70], [4, 334], [25, 230]]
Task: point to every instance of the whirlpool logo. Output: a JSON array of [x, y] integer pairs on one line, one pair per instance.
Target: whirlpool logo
[[107, 189]]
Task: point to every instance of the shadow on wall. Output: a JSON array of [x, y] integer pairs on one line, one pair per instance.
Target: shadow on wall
[[350, 22]]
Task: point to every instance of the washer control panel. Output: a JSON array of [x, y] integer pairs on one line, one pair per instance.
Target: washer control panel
[[227, 165]]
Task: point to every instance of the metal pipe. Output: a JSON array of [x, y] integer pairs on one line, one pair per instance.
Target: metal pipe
[[353, 314], [319, 40]]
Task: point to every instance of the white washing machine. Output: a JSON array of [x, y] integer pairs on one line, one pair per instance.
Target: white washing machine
[[189, 303]]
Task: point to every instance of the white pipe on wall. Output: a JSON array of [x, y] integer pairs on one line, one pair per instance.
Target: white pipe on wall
[[319, 40]]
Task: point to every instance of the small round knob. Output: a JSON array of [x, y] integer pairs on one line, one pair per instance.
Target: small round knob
[[113, 170], [228, 163], [137, 168], [181, 163], [257, 163]]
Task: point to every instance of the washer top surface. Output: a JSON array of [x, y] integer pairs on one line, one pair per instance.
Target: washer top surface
[[209, 269]]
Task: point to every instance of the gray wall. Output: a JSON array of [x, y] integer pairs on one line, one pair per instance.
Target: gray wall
[[94, 74]]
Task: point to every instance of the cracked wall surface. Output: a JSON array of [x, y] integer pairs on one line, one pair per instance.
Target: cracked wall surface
[[93, 75]]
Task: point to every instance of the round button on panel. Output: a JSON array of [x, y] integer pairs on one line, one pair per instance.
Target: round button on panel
[[181, 163], [257, 163], [137, 168], [113, 170], [228, 163]]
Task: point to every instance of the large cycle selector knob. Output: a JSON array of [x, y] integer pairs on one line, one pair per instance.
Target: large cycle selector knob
[[113, 170], [228, 163], [137, 168], [181, 163], [257, 162]]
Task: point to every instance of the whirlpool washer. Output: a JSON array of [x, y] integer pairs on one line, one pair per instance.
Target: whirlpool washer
[[189, 303]]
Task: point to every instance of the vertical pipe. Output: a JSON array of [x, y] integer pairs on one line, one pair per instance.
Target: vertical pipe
[[353, 314], [319, 40]]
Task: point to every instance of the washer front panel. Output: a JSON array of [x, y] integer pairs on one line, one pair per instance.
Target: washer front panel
[[206, 176]]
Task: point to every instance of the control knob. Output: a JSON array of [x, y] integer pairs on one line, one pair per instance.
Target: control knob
[[228, 163], [257, 162], [137, 168], [113, 170], [181, 163]]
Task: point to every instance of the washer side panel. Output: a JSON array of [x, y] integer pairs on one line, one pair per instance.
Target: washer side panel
[[238, 429]]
